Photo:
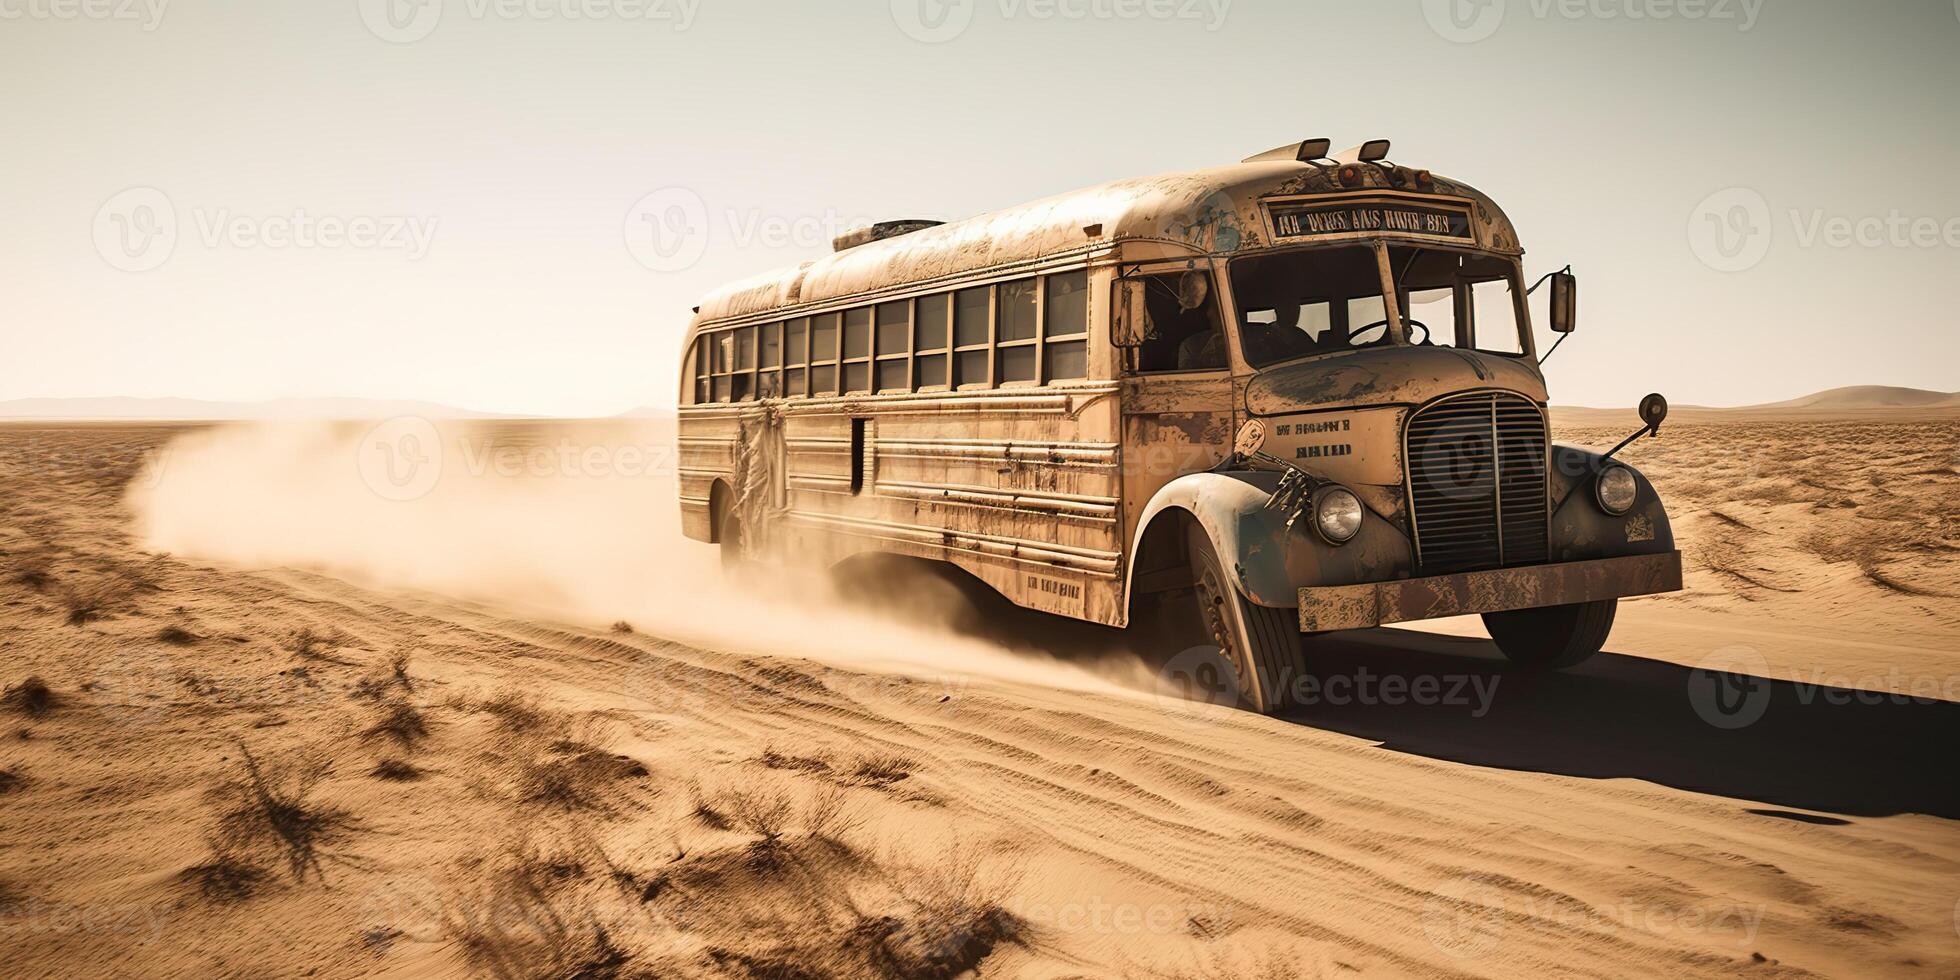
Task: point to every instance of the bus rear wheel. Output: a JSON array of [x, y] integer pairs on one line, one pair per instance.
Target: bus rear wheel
[[1553, 637], [1260, 643], [728, 535]]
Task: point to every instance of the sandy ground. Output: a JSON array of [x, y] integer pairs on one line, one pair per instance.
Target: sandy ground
[[331, 734]]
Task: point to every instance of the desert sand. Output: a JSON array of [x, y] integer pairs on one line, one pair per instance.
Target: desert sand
[[263, 721]]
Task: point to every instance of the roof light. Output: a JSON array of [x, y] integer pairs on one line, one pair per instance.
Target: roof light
[[1374, 150], [1350, 176], [1306, 151]]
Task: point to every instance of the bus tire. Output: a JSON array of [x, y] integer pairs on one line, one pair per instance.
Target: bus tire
[[1261, 643], [728, 535], [1553, 637]]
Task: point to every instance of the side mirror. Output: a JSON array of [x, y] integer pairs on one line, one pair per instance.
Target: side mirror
[[1131, 314], [1251, 439], [1653, 411], [1565, 302]]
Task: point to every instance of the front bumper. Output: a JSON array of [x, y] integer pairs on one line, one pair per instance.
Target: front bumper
[[1347, 607]]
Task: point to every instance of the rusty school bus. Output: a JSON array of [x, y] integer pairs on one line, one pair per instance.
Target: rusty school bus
[[1228, 406]]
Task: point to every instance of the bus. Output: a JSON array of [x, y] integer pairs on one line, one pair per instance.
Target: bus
[[1230, 407]]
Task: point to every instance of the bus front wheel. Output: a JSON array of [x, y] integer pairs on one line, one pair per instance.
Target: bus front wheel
[[1552, 637], [1261, 643]]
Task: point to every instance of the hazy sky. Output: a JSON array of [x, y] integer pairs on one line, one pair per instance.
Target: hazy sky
[[1703, 164]]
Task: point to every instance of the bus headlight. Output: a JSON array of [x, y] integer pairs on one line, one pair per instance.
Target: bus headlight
[[1337, 513], [1615, 490]]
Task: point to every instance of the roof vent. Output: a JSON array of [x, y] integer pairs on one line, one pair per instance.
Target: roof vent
[[879, 232]]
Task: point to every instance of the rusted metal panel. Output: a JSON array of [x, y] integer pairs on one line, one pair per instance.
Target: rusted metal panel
[[1344, 607], [1215, 211]]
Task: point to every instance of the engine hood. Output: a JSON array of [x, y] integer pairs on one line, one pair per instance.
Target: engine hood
[[1386, 376]]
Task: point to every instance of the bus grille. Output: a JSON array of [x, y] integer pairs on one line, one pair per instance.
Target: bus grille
[[1477, 491]]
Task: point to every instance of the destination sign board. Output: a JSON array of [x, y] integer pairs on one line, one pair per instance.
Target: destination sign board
[[1320, 219]]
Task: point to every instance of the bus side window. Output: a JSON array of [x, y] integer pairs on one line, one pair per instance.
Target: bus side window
[[1179, 339]]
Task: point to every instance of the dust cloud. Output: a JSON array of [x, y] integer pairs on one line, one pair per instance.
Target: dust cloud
[[566, 520]]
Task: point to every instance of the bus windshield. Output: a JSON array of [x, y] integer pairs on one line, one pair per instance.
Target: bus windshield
[[1318, 301]]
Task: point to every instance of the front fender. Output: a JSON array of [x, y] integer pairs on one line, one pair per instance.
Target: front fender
[[1581, 530], [1269, 562]]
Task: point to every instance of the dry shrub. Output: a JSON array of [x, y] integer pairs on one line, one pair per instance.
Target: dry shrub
[[399, 720], [225, 876], [803, 763], [92, 601], [622, 626], [527, 918], [311, 644], [35, 574], [881, 771], [395, 771], [269, 811], [573, 776], [31, 697], [827, 816], [702, 807], [177, 636], [391, 675], [516, 710], [959, 916]]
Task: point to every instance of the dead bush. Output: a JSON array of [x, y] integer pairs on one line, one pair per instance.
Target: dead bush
[[390, 675], [270, 810], [516, 710], [311, 644], [395, 771], [574, 776], [803, 763], [881, 771], [225, 876], [177, 636], [399, 720], [97, 600], [622, 626], [31, 697]]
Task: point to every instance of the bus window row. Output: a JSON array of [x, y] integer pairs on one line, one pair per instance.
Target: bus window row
[[1025, 331]]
